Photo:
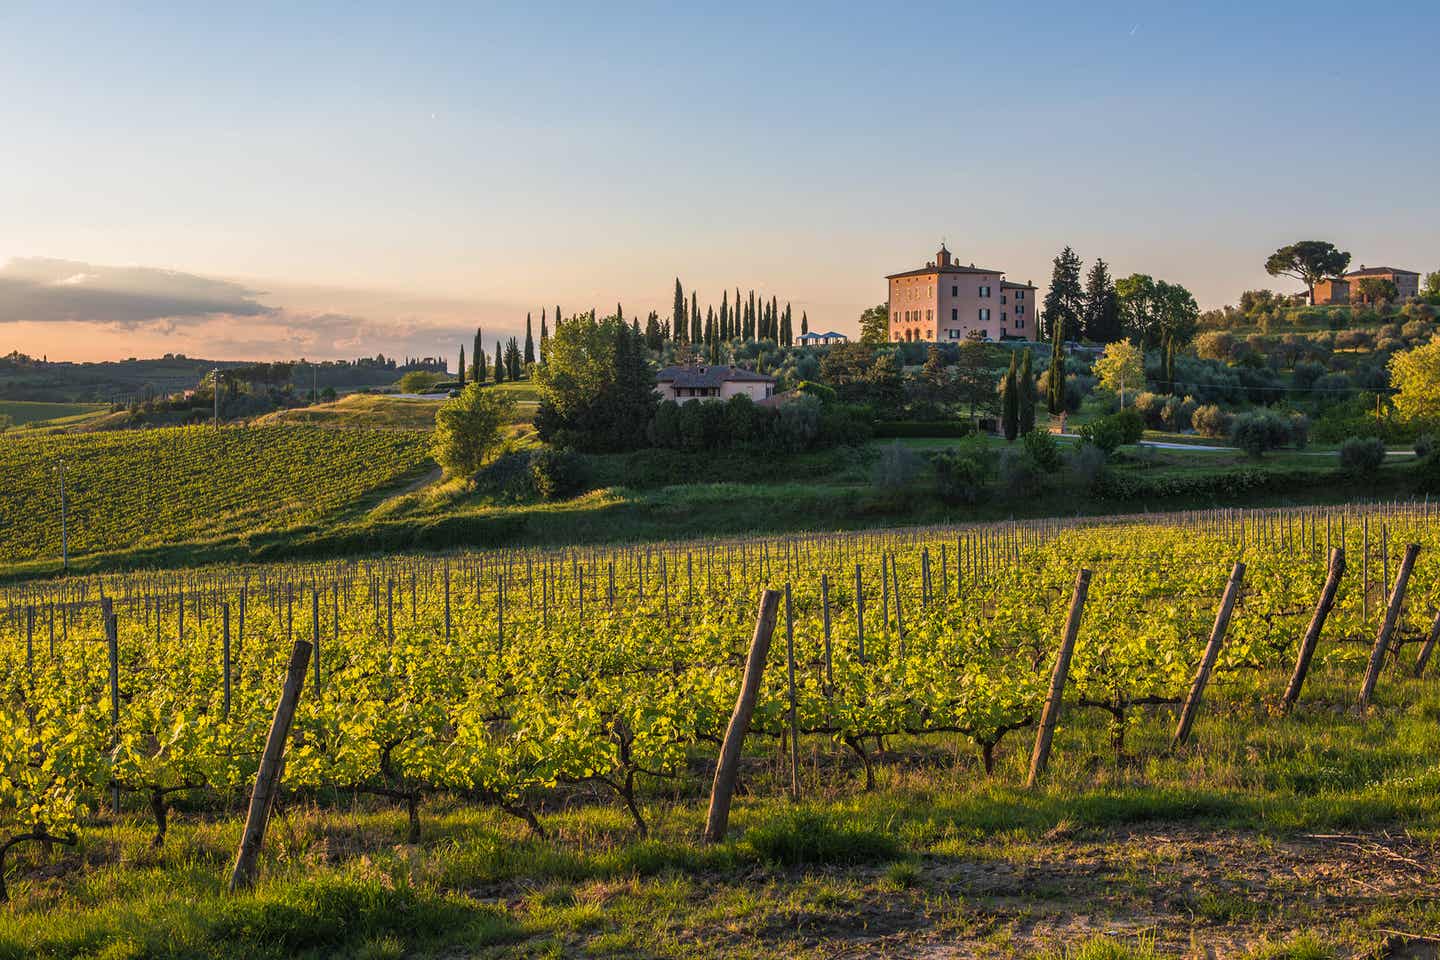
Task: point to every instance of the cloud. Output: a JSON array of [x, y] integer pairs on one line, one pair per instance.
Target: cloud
[[75, 310], [41, 290]]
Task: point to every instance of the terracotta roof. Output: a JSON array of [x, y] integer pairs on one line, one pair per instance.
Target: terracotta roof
[[1379, 271], [701, 375], [950, 269], [1012, 285]]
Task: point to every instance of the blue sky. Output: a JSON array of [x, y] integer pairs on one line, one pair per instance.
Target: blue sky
[[394, 175]]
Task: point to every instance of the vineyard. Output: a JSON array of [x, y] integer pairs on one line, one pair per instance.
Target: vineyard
[[142, 488], [1035, 663]]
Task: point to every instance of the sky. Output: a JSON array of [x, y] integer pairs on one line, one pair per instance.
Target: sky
[[268, 181]]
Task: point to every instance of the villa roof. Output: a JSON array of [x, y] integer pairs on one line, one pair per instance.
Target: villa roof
[[702, 375], [1012, 285], [1378, 271], [952, 268]]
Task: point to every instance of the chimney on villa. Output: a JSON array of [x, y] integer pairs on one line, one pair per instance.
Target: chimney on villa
[[942, 259]]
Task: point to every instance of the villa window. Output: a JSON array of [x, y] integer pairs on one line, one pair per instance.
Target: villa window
[[954, 314], [954, 291], [984, 314]]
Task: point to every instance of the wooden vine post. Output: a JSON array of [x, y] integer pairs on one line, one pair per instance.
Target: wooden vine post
[[1387, 626], [1040, 758], [728, 766], [794, 714], [1429, 645], [267, 778], [1212, 652], [1312, 632], [112, 646]]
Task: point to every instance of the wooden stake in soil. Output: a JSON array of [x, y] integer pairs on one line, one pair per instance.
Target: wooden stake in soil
[[728, 766], [1387, 626], [1212, 651], [794, 715], [1043, 737], [1425, 650], [1312, 632], [267, 777]]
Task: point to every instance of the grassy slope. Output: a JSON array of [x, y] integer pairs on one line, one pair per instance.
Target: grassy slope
[[23, 412], [1309, 836], [362, 410]]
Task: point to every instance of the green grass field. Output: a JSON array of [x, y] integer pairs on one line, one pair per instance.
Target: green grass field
[[23, 412], [363, 411]]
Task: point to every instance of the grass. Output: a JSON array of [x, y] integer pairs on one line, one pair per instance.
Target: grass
[[1165, 855], [363, 410], [26, 414]]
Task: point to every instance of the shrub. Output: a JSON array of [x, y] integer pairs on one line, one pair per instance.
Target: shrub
[[1176, 413], [1362, 456], [557, 474], [961, 473], [1210, 420], [1109, 433], [1044, 448], [1086, 463], [1257, 432], [1020, 475], [469, 429], [1416, 330], [507, 477], [1299, 430], [1353, 340], [1427, 471], [924, 428], [1150, 407], [897, 468], [1425, 445]]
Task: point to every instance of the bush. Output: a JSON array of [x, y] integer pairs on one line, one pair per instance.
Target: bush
[[1020, 475], [1176, 414], [1150, 407], [897, 468], [1109, 433], [924, 428], [1044, 448], [1427, 472], [961, 473], [507, 477], [419, 381], [1255, 433], [469, 429], [1362, 456], [1086, 463], [557, 474], [1425, 445]]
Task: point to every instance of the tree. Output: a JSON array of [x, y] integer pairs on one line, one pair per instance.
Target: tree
[[1431, 290], [1374, 289], [1025, 384], [974, 381], [1065, 298], [513, 361], [1308, 261], [597, 392], [499, 363], [1415, 375], [696, 334], [1178, 314], [678, 325], [1100, 322], [477, 359], [804, 323], [462, 368], [1055, 401], [469, 428], [529, 342], [1139, 309], [1010, 403], [875, 324], [1121, 367], [787, 338], [544, 338]]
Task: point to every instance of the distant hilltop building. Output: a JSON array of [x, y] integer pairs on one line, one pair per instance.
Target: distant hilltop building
[[712, 382], [943, 302], [1346, 289]]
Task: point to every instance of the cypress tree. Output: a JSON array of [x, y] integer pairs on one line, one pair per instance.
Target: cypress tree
[[557, 317], [477, 358], [529, 341], [736, 328], [512, 359], [751, 321], [1056, 398], [711, 334], [723, 332], [1026, 384], [786, 330], [1010, 404], [696, 334], [544, 338], [804, 323], [499, 363], [462, 366], [678, 325]]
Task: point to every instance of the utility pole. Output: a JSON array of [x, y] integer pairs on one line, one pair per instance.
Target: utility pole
[[64, 524]]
